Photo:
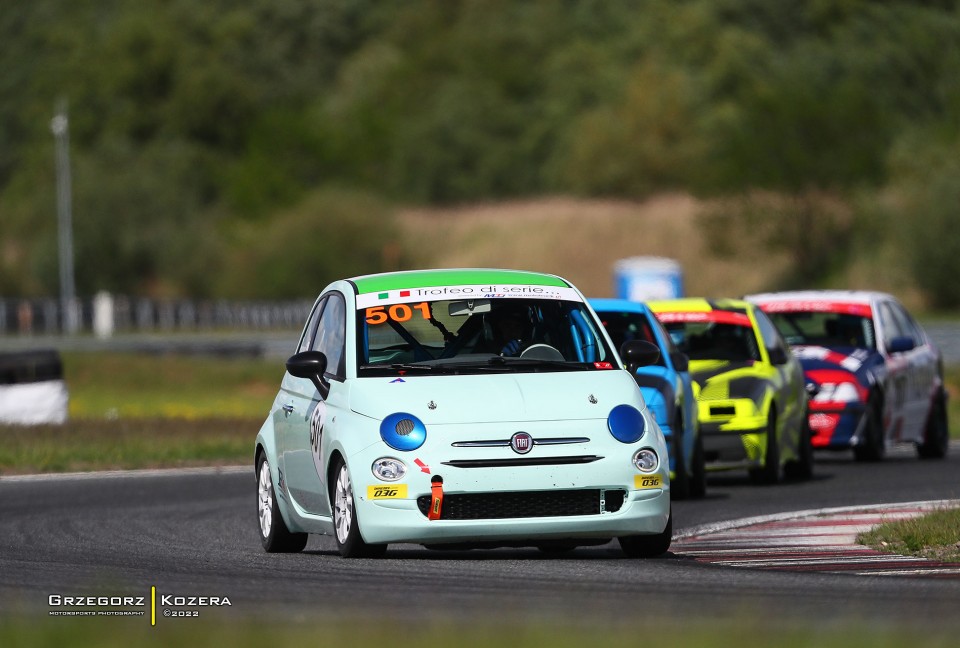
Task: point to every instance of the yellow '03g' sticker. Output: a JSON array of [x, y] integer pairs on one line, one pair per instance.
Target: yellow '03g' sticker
[[647, 481], [395, 491]]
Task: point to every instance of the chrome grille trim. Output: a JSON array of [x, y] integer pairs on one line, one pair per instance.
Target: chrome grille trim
[[506, 442]]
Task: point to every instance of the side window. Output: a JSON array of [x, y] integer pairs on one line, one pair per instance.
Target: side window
[[907, 325], [330, 337], [306, 339], [891, 327], [771, 336]]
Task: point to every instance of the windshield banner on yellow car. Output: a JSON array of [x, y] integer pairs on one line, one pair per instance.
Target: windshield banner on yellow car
[[716, 316], [488, 291]]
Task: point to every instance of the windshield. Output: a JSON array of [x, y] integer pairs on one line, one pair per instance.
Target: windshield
[[495, 333], [624, 326], [718, 335], [825, 329]]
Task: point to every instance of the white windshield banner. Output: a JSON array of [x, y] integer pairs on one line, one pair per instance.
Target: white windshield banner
[[438, 293]]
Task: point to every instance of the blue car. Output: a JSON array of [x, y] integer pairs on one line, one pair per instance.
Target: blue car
[[667, 390]]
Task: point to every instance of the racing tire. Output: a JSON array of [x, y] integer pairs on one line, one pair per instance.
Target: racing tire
[[274, 534], [801, 468], [769, 473], [346, 527], [936, 435], [872, 447], [648, 546], [698, 476], [680, 484]]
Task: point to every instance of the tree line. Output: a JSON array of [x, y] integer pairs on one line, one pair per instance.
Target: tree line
[[256, 149]]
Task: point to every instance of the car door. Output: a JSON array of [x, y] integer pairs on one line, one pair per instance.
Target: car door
[[897, 399], [922, 374], [311, 411], [792, 396]]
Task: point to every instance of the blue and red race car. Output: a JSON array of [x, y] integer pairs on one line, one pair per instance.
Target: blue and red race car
[[873, 375]]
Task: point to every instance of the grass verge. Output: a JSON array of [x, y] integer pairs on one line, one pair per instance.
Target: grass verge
[[99, 444], [935, 535], [733, 633], [123, 385]]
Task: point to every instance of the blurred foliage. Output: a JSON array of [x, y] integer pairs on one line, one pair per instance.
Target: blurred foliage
[[198, 131], [813, 229], [930, 178], [332, 233]]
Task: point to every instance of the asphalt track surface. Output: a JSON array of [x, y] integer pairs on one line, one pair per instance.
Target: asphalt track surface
[[194, 534]]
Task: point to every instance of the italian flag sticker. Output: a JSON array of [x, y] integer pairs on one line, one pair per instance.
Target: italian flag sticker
[[386, 295]]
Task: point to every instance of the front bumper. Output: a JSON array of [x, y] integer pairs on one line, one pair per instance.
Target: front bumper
[[734, 434], [623, 505], [836, 426]]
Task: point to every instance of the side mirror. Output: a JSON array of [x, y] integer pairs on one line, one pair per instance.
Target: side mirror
[[680, 361], [310, 365], [777, 356], [901, 344], [638, 353]]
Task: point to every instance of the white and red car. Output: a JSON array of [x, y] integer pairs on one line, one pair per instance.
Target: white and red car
[[873, 375]]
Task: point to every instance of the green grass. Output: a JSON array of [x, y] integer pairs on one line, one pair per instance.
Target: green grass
[[952, 379], [731, 633], [127, 443], [935, 535], [112, 385], [148, 411]]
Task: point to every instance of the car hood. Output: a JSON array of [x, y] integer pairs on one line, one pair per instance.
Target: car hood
[[719, 379], [496, 398], [850, 359]]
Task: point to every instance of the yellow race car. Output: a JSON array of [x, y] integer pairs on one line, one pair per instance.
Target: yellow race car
[[751, 398]]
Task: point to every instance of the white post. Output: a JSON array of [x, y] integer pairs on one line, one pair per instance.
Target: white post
[[103, 324], [61, 132]]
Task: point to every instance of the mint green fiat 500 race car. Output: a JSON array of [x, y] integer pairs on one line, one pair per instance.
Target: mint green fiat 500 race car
[[461, 407]]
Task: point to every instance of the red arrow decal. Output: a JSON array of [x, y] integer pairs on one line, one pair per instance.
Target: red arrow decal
[[423, 467]]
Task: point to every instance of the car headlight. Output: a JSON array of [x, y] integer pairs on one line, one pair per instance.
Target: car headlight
[[402, 431], [844, 392], [388, 469], [626, 424], [646, 460]]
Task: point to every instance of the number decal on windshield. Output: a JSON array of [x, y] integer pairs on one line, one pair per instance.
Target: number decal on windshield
[[396, 312]]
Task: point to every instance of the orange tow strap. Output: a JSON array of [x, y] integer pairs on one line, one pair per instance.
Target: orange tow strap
[[436, 501]]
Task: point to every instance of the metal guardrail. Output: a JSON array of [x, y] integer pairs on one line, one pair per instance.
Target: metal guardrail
[[105, 315]]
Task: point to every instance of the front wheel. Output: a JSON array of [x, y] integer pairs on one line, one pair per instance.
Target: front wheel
[[698, 476], [769, 473], [648, 546], [346, 528], [801, 468], [936, 436], [680, 484], [274, 534], [872, 446]]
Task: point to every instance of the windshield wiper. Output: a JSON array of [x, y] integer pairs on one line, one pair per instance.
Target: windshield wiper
[[534, 362], [401, 367]]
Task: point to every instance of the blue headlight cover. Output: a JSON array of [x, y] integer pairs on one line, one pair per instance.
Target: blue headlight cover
[[402, 431], [626, 424]]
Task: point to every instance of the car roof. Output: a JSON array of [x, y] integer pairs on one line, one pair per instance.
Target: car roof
[[624, 305], [697, 304], [453, 277], [845, 296]]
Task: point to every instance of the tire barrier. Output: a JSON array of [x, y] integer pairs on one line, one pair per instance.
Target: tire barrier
[[32, 390]]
